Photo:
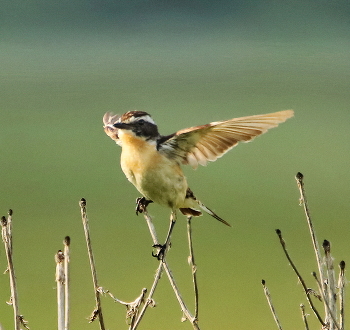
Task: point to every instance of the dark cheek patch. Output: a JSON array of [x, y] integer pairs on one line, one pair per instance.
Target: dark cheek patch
[[148, 131]]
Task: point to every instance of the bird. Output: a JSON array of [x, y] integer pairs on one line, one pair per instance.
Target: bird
[[153, 162]]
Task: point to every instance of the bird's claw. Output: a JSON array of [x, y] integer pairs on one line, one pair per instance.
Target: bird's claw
[[141, 204], [161, 251]]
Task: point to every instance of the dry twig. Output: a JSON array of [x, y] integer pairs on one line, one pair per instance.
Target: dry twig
[[149, 301], [132, 308], [66, 243], [326, 303], [306, 289], [193, 266], [304, 316], [163, 264], [303, 201], [272, 308], [60, 280], [331, 282], [326, 281], [6, 232], [97, 312], [341, 286]]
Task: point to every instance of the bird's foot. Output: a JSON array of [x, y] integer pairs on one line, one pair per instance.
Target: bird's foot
[[141, 204], [161, 249]]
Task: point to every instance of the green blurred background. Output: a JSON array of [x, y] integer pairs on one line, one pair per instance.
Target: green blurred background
[[65, 63]]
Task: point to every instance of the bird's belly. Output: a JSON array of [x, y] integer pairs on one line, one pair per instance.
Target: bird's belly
[[155, 176], [164, 186]]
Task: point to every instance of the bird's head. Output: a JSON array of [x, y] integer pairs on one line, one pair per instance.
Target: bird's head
[[137, 123]]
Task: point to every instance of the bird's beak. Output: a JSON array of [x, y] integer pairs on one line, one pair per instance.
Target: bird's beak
[[122, 125]]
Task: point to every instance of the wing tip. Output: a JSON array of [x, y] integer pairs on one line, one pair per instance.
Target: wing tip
[[286, 114]]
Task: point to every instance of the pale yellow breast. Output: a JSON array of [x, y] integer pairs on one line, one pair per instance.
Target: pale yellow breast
[[154, 175], [138, 156]]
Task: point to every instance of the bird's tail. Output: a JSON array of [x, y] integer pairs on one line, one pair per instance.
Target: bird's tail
[[192, 202], [212, 213]]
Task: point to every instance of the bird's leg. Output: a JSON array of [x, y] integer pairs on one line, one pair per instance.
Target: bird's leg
[[162, 248], [141, 204]]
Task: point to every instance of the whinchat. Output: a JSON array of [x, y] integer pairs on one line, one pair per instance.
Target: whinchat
[[152, 162]]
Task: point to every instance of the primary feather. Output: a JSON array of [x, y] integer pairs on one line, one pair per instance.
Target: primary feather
[[200, 144]]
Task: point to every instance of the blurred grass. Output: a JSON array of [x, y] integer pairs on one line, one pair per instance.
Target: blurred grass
[[55, 88]]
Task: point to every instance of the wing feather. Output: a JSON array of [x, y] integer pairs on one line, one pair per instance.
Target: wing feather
[[200, 144], [199, 155]]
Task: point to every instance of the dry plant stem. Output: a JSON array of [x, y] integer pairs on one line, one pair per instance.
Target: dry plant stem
[[299, 178], [60, 280], [135, 302], [151, 228], [66, 243], [98, 308], [331, 284], [183, 306], [341, 286], [306, 290], [149, 300], [9, 227], [7, 239], [132, 307], [157, 276], [303, 314], [272, 308], [326, 302], [192, 263], [166, 268]]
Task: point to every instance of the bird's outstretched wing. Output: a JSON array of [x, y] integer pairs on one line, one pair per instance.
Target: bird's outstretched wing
[[200, 144]]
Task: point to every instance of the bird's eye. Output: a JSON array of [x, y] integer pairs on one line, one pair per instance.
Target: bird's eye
[[141, 122]]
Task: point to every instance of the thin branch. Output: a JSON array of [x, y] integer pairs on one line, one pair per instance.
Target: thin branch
[[193, 266], [9, 227], [149, 301], [176, 290], [6, 232], [272, 308], [325, 301], [306, 290], [304, 316], [98, 309], [341, 286], [60, 279], [185, 310], [132, 308], [300, 182], [331, 283], [66, 243], [151, 228]]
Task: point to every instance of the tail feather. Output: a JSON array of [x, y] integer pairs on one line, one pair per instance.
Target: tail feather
[[212, 213], [192, 201]]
